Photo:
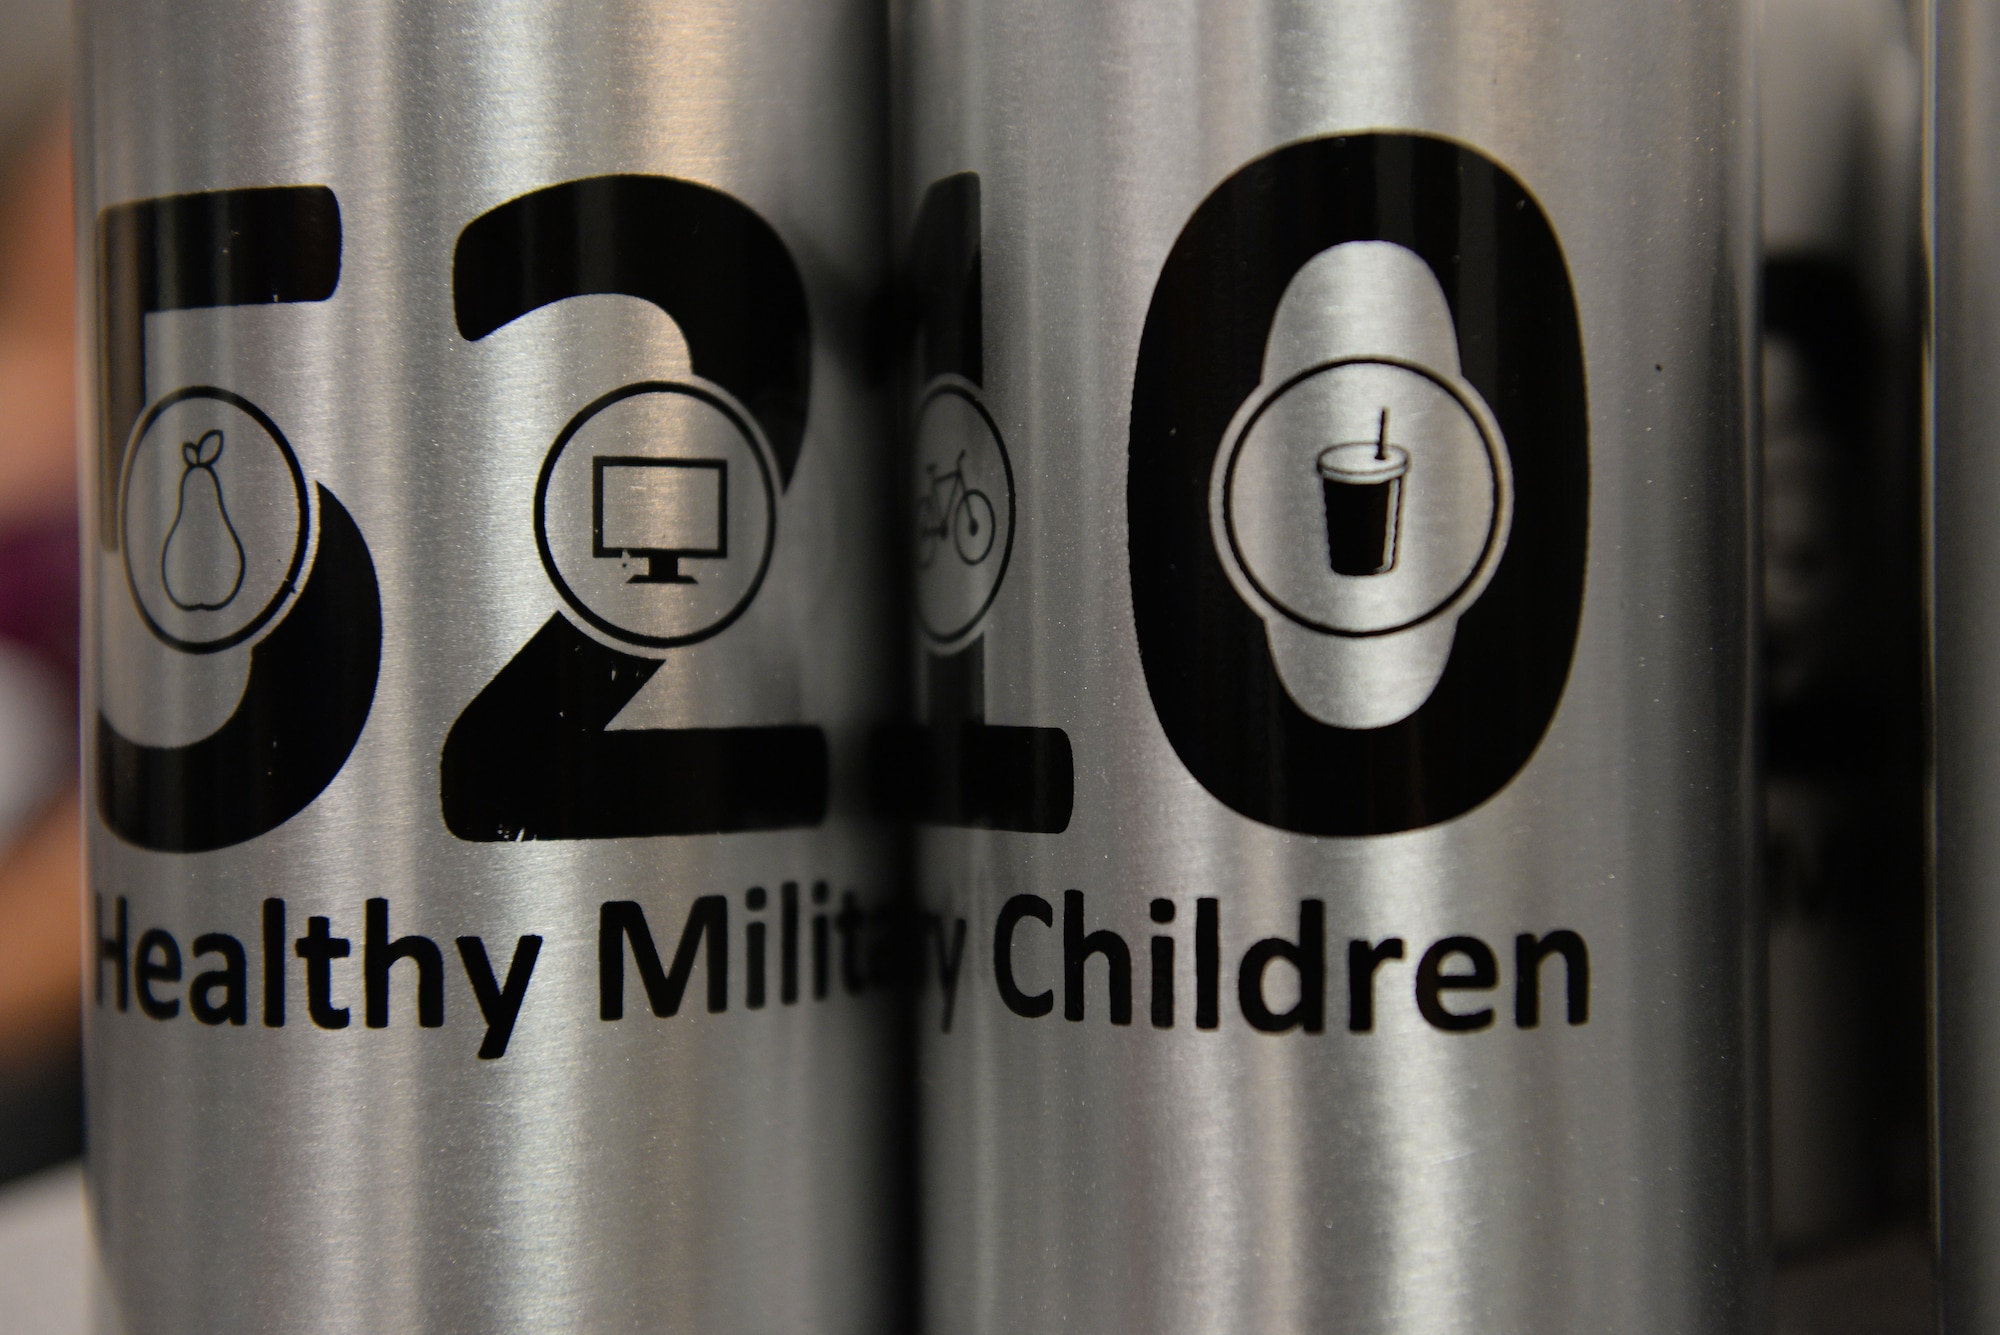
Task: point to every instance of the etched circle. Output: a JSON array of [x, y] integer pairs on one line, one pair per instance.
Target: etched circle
[[1443, 484], [213, 519], [655, 513], [963, 510]]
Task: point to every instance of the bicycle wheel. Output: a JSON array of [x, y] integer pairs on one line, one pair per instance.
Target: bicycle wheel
[[972, 527], [928, 532]]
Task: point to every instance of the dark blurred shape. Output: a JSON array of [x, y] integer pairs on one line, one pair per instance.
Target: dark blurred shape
[[1881, 1286], [39, 589], [1844, 795], [41, 1113], [1843, 625]]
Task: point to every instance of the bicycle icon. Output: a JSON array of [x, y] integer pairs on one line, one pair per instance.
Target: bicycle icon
[[948, 508]]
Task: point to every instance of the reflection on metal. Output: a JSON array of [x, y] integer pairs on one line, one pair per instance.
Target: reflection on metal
[[1842, 587]]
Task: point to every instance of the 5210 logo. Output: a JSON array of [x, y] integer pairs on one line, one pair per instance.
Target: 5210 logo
[[1358, 485]]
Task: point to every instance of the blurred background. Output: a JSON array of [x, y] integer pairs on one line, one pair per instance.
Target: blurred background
[[1843, 672], [40, 1089], [42, 1235]]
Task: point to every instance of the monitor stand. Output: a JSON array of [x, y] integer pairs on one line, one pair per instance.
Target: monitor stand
[[661, 568]]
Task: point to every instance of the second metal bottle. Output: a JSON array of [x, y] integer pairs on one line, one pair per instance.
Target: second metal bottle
[[1331, 506]]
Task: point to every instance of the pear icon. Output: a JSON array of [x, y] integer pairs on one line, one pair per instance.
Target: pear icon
[[201, 563]]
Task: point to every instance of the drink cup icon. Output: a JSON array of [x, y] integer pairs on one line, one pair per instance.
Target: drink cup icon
[[1360, 629], [1362, 485]]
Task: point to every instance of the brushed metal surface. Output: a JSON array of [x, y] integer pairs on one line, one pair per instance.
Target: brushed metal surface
[[1085, 1175], [706, 1172]]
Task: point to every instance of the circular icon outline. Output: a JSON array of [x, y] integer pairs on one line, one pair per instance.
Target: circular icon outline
[[1502, 484], [965, 535], [758, 449], [286, 587], [953, 386]]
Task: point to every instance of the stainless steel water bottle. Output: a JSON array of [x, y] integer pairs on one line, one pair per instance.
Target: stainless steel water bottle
[[1962, 193], [486, 564], [1331, 506]]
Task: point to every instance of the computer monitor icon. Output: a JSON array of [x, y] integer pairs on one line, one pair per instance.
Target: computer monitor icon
[[661, 509]]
